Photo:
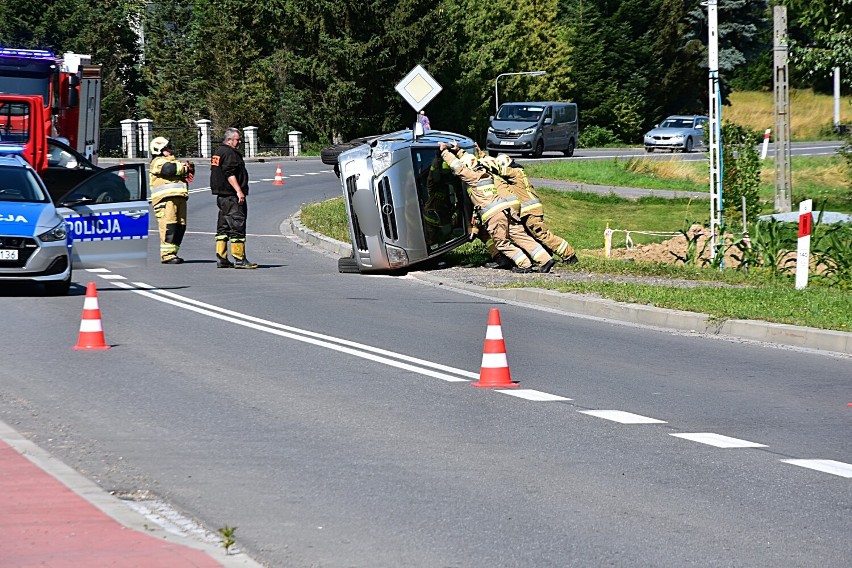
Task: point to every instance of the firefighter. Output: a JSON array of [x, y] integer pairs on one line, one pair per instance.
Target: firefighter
[[229, 183], [532, 211], [169, 181], [491, 208]]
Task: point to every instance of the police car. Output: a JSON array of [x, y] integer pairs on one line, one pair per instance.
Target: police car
[[41, 241]]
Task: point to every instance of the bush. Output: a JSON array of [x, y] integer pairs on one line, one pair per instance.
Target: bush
[[597, 137]]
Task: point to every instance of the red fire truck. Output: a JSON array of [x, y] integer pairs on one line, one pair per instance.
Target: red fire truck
[[69, 91]]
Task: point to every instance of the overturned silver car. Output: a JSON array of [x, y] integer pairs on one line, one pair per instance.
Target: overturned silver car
[[404, 204]]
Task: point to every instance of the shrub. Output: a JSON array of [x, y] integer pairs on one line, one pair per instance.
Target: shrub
[[597, 137]]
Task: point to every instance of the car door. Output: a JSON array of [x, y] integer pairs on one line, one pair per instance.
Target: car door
[[65, 169], [548, 130], [698, 131], [107, 218]]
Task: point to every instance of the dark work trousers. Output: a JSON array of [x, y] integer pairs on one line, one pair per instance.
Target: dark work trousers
[[232, 218]]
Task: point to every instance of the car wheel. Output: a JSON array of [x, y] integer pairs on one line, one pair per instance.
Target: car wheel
[[689, 145], [569, 151], [539, 149], [58, 287], [492, 153], [347, 265]]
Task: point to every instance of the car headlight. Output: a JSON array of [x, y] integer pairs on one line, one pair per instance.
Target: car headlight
[[58, 233], [678, 136], [397, 257], [382, 158], [529, 130]]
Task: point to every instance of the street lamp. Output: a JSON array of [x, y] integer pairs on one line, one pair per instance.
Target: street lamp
[[530, 73]]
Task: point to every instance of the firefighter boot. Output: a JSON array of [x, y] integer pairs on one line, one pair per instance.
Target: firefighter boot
[[240, 260], [500, 261], [222, 255]]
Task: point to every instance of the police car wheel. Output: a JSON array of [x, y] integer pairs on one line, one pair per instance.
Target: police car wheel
[[347, 265], [58, 288]]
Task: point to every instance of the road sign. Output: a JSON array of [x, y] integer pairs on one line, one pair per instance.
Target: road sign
[[418, 88]]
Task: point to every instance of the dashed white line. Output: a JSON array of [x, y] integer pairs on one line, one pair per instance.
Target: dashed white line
[[825, 466], [718, 440], [534, 395], [622, 417]]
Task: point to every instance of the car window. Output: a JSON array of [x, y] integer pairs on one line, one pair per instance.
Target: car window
[[19, 184], [108, 186], [60, 156]]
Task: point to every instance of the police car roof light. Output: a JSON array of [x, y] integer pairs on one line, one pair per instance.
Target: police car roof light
[[28, 53], [11, 149]]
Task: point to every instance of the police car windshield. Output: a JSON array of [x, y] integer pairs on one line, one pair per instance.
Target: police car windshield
[[20, 185], [519, 113]]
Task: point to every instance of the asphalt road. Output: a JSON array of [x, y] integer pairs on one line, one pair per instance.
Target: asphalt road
[[330, 417]]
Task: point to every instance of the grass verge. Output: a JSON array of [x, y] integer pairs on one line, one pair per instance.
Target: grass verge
[[582, 217]]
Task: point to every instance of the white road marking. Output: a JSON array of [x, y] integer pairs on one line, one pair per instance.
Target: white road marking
[[112, 277], [825, 466], [718, 440], [534, 395], [622, 417], [97, 270], [296, 175], [376, 354]]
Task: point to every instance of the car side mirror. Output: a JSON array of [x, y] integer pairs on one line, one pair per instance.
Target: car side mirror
[[548, 120]]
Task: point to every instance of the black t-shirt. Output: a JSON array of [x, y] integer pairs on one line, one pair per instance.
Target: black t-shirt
[[224, 163]]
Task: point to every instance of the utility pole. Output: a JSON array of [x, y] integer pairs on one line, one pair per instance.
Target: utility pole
[[715, 127], [783, 174]]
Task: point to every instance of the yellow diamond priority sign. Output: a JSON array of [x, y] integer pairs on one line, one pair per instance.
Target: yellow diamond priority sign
[[418, 88]]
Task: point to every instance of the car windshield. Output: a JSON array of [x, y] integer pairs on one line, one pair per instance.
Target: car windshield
[[520, 113], [677, 123], [20, 185]]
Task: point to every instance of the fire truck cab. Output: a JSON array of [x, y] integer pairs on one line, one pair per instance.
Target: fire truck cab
[[69, 88]]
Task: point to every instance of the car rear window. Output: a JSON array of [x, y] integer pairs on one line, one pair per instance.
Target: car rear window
[[20, 185]]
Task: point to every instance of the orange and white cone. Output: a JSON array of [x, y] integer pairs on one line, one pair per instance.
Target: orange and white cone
[[279, 177], [121, 172], [494, 371], [91, 329]]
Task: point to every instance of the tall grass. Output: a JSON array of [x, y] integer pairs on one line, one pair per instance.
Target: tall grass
[[811, 115]]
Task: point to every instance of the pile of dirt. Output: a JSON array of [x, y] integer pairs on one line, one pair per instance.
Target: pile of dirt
[[673, 250]]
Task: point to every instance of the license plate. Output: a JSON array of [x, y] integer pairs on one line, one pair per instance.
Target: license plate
[[7, 254], [508, 143]]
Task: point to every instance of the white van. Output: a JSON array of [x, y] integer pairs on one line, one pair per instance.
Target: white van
[[533, 128]]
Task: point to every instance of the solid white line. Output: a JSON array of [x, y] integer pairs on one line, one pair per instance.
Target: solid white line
[[622, 417], [304, 336], [534, 395], [296, 175], [718, 440], [825, 466]]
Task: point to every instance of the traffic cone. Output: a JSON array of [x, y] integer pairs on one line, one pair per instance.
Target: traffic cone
[[494, 372], [121, 172], [91, 330], [279, 178]]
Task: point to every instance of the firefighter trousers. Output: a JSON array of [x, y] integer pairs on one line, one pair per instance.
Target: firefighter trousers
[[556, 244], [171, 220], [512, 240]]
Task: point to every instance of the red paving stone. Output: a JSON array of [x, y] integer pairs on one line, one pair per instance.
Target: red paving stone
[[45, 524]]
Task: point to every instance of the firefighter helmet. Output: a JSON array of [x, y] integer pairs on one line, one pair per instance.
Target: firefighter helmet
[[469, 160], [159, 144], [503, 162], [490, 164]]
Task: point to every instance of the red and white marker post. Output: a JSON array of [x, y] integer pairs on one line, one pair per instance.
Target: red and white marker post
[[803, 248], [765, 144]]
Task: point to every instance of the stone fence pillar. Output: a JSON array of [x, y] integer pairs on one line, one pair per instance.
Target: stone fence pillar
[[205, 138], [128, 138], [145, 127], [250, 136], [295, 138]]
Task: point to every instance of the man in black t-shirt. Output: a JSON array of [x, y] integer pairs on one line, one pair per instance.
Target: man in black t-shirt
[[229, 182]]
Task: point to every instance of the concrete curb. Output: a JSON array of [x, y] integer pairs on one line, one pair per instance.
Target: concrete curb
[[782, 334]]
